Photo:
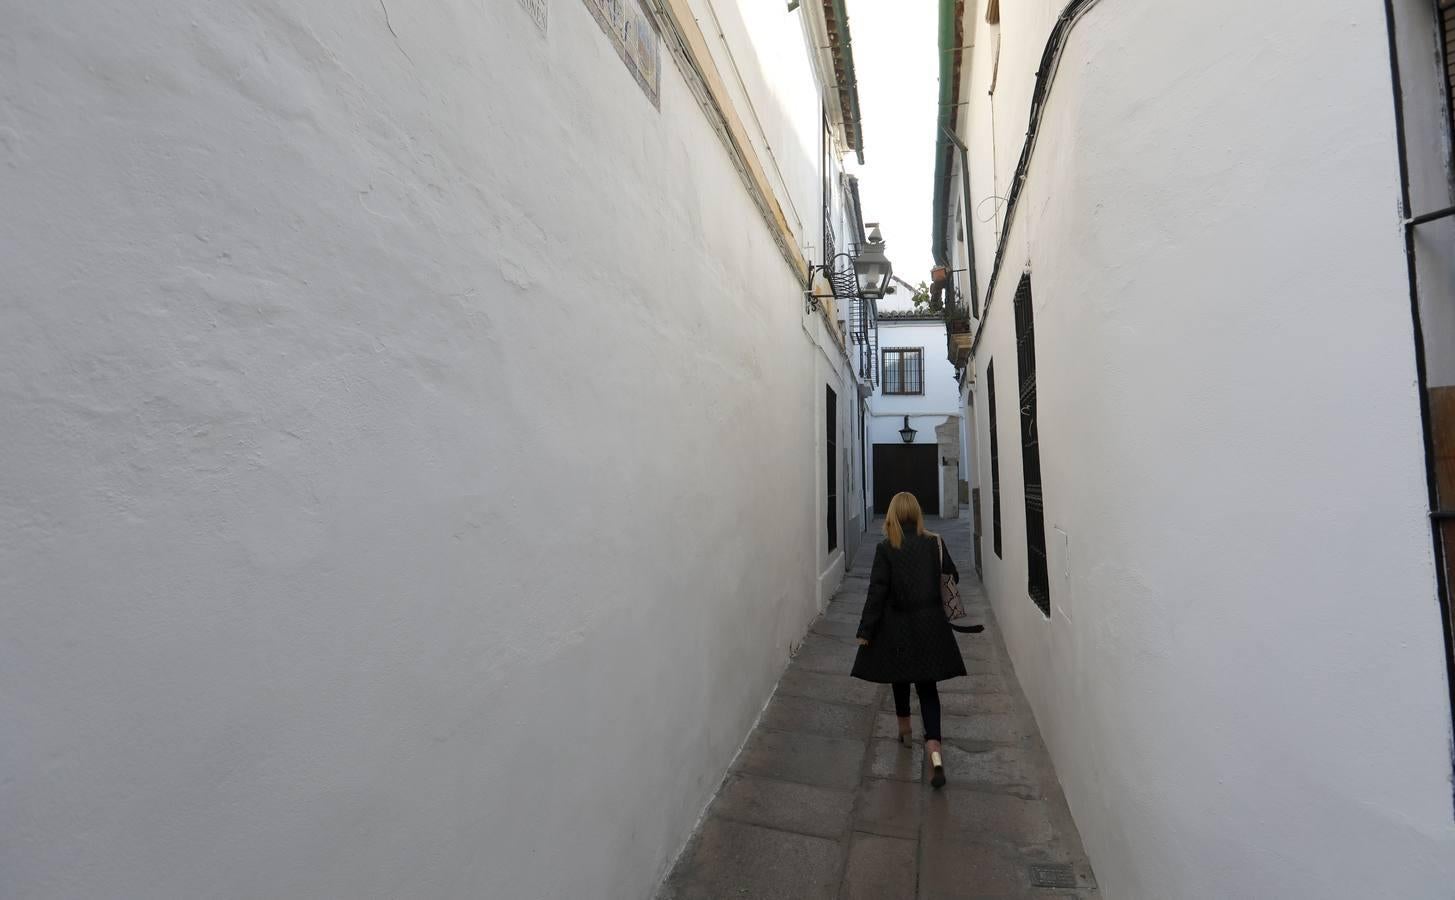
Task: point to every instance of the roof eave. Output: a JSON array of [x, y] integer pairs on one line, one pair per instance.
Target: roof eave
[[841, 44], [950, 54]]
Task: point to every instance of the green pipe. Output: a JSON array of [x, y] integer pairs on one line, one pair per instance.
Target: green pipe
[[948, 52]]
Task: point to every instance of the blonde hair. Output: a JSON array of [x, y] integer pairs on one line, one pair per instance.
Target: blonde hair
[[904, 515]]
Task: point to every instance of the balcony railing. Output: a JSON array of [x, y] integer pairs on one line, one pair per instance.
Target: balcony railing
[[958, 335]]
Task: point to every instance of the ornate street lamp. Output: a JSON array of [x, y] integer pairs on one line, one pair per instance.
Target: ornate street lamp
[[872, 267], [869, 272], [907, 433]]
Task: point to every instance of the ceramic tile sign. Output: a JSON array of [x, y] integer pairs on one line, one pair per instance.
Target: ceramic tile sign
[[634, 35], [537, 10]]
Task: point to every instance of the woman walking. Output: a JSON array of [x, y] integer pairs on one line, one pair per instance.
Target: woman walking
[[904, 637]]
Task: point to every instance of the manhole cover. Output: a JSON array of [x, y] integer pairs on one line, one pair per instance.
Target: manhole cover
[[1053, 876]]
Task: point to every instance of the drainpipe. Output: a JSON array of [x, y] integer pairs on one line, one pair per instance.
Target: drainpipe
[[949, 53], [969, 231]]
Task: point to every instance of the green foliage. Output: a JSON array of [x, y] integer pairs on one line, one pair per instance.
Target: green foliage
[[924, 301]]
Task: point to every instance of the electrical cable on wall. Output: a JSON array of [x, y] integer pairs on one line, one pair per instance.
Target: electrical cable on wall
[[993, 211], [1045, 75]]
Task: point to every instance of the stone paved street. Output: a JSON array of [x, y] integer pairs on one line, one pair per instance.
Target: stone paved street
[[822, 802]]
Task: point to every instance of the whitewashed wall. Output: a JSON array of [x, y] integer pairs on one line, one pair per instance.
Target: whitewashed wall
[[766, 58], [1242, 679], [402, 438]]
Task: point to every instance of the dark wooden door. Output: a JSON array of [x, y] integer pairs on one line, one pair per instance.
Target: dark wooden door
[[907, 467]]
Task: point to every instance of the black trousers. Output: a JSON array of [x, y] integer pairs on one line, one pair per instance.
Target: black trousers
[[929, 705]]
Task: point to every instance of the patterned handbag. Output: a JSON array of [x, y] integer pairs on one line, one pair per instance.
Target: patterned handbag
[[949, 590]]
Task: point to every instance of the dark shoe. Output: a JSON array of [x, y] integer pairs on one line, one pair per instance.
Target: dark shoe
[[937, 763]]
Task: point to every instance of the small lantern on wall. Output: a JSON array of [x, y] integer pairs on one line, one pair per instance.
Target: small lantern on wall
[[906, 432]]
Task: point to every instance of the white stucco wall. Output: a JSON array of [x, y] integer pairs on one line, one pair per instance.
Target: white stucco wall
[[766, 58], [403, 440], [763, 55], [1242, 679]]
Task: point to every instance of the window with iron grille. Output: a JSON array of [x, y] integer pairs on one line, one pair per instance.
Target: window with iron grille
[[994, 458], [904, 371], [1039, 579], [1447, 54], [831, 416]]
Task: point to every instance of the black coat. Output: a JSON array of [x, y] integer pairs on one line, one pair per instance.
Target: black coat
[[904, 621]]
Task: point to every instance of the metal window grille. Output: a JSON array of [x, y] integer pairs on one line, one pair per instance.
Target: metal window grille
[[994, 458], [830, 244], [1446, 10], [1039, 580], [904, 371], [864, 322], [831, 417]]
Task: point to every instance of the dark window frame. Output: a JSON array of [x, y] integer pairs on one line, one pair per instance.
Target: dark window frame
[[1038, 577], [866, 499], [1445, 26], [994, 460], [831, 477], [1442, 502], [903, 353]]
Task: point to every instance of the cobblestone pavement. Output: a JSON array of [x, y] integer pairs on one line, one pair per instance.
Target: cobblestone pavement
[[822, 802]]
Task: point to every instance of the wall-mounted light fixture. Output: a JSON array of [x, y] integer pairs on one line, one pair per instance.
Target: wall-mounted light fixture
[[872, 266], [872, 272], [907, 433]]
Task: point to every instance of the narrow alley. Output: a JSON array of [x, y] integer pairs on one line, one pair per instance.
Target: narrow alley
[[445, 446], [823, 802]]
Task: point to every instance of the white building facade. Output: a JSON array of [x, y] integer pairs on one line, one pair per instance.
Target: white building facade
[[421, 457], [916, 397], [1206, 348]]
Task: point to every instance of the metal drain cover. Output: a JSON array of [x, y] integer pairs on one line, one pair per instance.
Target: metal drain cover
[[1053, 876]]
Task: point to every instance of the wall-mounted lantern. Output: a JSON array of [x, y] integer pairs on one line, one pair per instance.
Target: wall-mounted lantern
[[872, 272], [907, 433], [872, 266]]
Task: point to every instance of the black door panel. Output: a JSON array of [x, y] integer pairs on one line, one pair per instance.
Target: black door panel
[[907, 467]]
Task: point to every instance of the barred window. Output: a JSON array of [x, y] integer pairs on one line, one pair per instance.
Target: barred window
[[994, 458], [1039, 579], [831, 473], [1447, 53], [904, 371]]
